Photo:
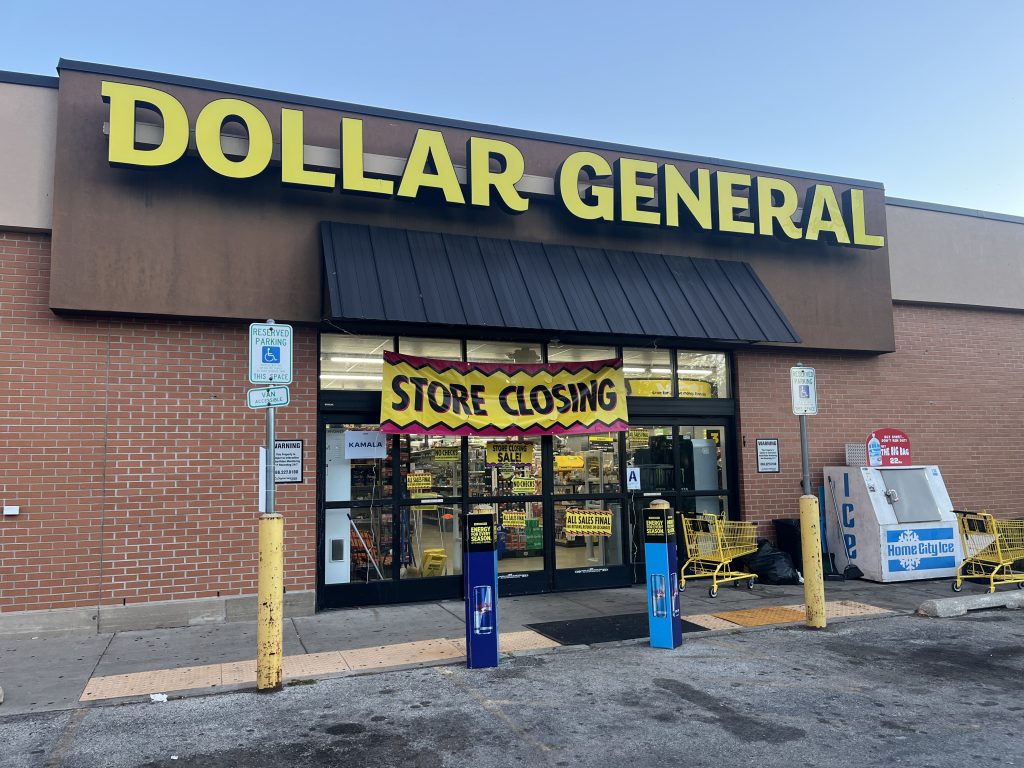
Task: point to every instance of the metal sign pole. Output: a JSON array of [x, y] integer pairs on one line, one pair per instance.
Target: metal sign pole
[[805, 460], [269, 501], [274, 360], [803, 390]]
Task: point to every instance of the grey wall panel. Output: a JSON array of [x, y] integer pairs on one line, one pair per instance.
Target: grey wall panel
[[944, 257], [28, 135]]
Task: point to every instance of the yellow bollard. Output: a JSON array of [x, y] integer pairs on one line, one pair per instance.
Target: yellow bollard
[[814, 578], [270, 601]]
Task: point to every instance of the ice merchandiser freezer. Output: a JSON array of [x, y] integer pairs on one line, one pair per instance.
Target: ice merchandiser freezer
[[898, 522]]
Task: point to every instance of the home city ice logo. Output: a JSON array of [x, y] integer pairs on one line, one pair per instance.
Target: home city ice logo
[[920, 549], [911, 559]]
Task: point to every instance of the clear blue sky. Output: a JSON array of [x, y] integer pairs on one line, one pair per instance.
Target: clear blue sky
[[926, 97]]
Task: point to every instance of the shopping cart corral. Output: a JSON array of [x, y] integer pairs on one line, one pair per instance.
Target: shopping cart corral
[[991, 547], [711, 546]]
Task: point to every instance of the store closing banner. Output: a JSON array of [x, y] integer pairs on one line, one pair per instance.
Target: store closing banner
[[441, 397]]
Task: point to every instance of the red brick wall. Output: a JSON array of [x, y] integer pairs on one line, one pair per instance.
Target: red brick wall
[[129, 448], [953, 385]]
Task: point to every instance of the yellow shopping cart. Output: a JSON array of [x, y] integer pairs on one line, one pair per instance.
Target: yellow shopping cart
[[991, 547], [711, 546]]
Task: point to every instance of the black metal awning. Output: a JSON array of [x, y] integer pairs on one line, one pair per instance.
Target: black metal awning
[[405, 276]]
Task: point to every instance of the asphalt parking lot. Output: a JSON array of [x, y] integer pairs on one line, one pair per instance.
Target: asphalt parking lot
[[898, 690]]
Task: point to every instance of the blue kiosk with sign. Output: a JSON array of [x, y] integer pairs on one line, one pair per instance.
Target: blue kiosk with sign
[[663, 612], [480, 579]]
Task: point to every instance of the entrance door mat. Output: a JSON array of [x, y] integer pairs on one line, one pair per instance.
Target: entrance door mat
[[602, 629]]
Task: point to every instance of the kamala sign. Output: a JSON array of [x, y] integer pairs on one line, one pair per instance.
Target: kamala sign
[[587, 185]]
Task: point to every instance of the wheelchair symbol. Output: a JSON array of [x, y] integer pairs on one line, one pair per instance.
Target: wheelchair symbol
[[271, 354]]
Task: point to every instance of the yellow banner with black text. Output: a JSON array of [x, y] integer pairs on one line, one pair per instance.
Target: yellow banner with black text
[[442, 397]]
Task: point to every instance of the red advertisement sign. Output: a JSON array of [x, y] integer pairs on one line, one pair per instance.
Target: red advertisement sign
[[888, 448]]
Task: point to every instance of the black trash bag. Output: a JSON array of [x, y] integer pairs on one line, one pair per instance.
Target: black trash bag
[[771, 564]]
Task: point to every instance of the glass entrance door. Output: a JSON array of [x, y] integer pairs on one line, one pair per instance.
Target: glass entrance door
[[505, 476], [566, 519], [683, 460], [586, 511]]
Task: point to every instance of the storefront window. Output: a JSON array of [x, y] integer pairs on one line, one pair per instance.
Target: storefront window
[[586, 464], [587, 534], [520, 536], [648, 372], [558, 353], [442, 349], [650, 449], [504, 466], [358, 544], [705, 505], [702, 374], [352, 362], [502, 352], [354, 477], [430, 541], [431, 466], [702, 458]]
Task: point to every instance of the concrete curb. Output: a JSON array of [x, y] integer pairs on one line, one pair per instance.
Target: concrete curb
[[948, 607]]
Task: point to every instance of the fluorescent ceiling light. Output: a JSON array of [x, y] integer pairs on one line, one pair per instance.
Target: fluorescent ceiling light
[[660, 371], [357, 360], [695, 371]]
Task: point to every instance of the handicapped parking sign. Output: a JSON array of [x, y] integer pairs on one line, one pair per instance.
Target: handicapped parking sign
[[270, 353]]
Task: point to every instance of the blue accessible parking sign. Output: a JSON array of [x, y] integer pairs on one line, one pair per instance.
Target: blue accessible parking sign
[[270, 353]]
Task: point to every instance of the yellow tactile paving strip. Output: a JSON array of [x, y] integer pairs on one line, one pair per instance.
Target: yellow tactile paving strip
[[302, 665], [156, 681], [759, 617], [783, 614], [710, 622], [401, 654], [841, 609], [404, 654]]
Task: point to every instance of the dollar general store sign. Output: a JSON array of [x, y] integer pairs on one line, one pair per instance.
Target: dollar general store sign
[[587, 184]]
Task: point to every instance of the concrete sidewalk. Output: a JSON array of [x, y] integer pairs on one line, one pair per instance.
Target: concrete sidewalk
[[51, 671]]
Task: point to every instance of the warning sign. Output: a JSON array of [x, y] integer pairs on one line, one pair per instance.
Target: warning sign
[[513, 519], [588, 522], [509, 453]]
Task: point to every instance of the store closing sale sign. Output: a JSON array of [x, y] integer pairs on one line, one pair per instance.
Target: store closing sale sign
[[509, 453], [440, 397]]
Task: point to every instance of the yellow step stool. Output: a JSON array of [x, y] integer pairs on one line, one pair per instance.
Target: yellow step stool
[[434, 561]]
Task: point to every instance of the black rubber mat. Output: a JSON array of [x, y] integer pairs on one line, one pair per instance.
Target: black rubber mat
[[601, 629]]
